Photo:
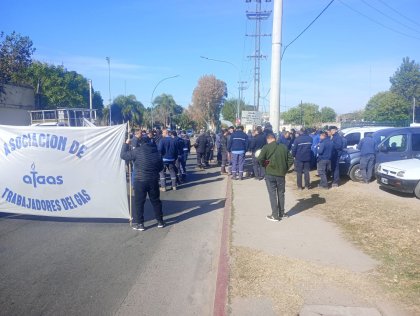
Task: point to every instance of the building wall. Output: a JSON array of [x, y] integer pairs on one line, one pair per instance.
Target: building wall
[[15, 102]]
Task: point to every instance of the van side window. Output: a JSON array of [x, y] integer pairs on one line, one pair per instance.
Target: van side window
[[397, 143], [352, 139], [415, 142]]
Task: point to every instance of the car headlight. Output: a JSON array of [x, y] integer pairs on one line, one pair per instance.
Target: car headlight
[[400, 174], [379, 169], [345, 157]]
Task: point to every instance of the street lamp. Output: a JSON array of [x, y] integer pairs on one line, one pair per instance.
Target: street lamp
[[151, 98], [109, 88], [239, 82]]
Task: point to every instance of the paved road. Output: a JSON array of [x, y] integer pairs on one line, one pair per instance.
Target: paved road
[[72, 267]]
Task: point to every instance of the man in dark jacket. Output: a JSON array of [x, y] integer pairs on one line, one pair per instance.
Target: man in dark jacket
[[284, 139], [338, 146], [277, 161], [209, 148], [258, 142], [200, 148], [169, 151], [367, 147], [238, 146], [223, 140], [231, 130], [179, 162], [301, 150], [324, 151], [185, 151], [148, 164]]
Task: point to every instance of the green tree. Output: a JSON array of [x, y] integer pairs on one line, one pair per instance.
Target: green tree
[[230, 108], [387, 106], [127, 108], [55, 86], [208, 98], [306, 114], [165, 107], [184, 121], [328, 115], [406, 80], [15, 56]]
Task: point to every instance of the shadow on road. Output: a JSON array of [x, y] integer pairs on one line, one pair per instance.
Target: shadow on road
[[305, 204], [184, 208]]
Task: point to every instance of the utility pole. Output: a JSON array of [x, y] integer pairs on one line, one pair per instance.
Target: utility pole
[[258, 16], [276, 66], [414, 110], [109, 88], [240, 89]]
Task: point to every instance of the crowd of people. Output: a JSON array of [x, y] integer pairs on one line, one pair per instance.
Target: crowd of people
[[156, 152]]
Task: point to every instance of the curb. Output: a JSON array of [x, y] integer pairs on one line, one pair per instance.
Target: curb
[[222, 282]]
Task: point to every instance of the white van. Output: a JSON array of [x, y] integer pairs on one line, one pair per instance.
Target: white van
[[400, 175], [353, 135]]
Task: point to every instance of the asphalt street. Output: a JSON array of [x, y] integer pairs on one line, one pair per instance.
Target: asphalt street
[[56, 266]]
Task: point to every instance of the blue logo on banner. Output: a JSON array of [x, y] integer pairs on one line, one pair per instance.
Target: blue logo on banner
[[36, 179]]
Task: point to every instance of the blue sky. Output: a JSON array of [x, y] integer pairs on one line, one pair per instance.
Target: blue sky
[[341, 61]]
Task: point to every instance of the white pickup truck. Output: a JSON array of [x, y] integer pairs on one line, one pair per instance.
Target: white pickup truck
[[400, 175]]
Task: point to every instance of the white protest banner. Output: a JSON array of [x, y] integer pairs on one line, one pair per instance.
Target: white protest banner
[[63, 171]]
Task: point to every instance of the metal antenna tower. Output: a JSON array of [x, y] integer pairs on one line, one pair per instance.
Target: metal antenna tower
[[258, 16]]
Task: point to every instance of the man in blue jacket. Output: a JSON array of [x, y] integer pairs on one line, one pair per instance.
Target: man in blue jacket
[[258, 142], [169, 152], [148, 164], [338, 146], [324, 151], [238, 146], [367, 147], [301, 150]]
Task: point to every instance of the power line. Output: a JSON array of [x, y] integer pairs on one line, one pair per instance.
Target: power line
[[389, 17], [310, 24], [376, 22], [399, 13]]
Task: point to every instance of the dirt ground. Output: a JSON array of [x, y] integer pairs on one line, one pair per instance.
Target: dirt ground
[[384, 225]]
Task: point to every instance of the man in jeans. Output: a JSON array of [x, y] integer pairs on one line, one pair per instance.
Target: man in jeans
[[148, 164], [277, 161], [367, 147], [238, 146]]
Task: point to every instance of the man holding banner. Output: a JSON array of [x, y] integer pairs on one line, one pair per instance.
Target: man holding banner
[[147, 165]]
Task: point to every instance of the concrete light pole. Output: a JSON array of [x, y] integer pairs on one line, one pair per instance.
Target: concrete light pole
[[90, 100], [109, 88], [153, 93], [276, 66]]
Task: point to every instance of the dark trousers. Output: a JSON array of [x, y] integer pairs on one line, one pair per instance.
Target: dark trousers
[[172, 171], [366, 166], [323, 167], [200, 159], [259, 170], [335, 168], [276, 188], [180, 165], [224, 158], [141, 190], [238, 161], [302, 167]]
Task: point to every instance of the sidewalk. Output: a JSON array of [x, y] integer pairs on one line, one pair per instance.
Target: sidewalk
[[301, 265]]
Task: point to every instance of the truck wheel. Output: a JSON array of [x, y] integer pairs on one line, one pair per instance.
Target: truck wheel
[[417, 190], [356, 173]]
